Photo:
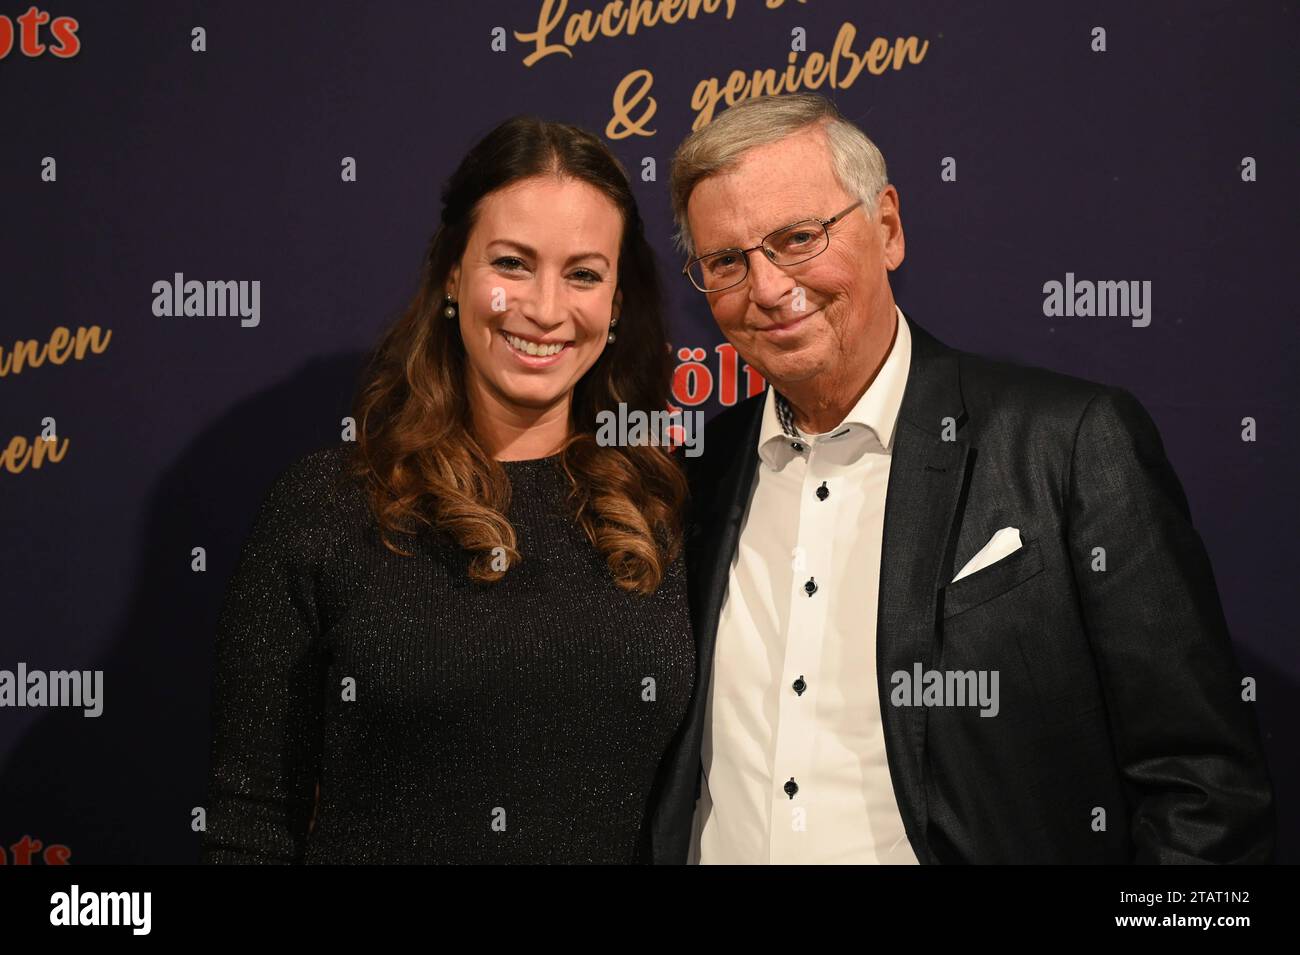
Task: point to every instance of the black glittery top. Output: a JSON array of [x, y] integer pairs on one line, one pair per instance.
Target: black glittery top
[[445, 721]]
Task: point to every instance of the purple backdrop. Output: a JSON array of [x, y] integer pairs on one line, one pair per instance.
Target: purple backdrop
[[225, 165]]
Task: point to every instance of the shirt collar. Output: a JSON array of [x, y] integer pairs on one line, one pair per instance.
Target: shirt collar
[[876, 410]]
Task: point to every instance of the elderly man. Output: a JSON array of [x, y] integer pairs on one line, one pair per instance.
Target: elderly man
[[947, 609]]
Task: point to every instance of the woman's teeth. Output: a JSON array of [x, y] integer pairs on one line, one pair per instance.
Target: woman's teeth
[[532, 348]]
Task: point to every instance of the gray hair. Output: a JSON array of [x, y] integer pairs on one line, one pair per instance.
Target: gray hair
[[858, 164]]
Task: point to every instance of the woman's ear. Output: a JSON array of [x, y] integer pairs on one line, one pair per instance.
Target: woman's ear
[[618, 303], [453, 280]]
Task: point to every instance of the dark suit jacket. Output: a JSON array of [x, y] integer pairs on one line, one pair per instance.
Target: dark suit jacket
[[1119, 689]]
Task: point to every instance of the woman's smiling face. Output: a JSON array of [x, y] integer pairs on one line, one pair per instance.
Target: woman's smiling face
[[536, 290]]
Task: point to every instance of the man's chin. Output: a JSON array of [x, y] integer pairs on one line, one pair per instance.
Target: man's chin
[[791, 368]]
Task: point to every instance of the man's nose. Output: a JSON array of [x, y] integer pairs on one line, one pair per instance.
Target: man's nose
[[768, 283]]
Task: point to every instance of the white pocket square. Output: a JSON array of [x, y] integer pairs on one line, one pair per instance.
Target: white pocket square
[[1004, 542]]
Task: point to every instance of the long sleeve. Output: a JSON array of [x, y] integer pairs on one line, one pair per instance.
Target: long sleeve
[[267, 698], [1188, 745], [489, 724]]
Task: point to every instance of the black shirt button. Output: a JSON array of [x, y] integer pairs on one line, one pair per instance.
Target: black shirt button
[[799, 685], [810, 588], [791, 787], [823, 492]]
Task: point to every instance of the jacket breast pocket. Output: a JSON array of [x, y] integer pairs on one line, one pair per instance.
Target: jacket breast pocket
[[992, 581]]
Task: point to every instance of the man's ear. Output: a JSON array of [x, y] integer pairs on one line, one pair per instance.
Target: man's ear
[[891, 226]]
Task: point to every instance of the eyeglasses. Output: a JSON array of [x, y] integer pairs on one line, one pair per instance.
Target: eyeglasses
[[787, 246]]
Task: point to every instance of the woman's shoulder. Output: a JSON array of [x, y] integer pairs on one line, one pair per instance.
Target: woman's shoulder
[[316, 479], [324, 466], [312, 497]]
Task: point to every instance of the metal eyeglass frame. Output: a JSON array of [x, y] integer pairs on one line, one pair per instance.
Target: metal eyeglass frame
[[744, 253]]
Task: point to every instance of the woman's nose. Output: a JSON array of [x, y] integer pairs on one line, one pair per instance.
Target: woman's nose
[[539, 300]]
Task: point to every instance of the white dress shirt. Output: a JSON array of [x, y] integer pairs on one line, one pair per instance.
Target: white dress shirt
[[762, 737]]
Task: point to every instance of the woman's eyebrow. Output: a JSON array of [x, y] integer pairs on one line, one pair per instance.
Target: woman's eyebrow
[[529, 250]]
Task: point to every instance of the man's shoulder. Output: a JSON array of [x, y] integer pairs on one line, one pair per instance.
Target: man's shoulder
[[1031, 406], [1000, 387], [729, 430], [731, 423], [726, 435]]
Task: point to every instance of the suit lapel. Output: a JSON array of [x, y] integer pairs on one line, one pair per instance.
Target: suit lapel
[[928, 476]]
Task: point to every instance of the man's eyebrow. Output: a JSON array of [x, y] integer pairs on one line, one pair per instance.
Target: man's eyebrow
[[530, 251], [779, 225]]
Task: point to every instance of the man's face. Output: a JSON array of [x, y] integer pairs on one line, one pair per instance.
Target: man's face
[[845, 288]]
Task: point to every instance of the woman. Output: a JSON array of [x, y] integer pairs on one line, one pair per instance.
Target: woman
[[465, 638]]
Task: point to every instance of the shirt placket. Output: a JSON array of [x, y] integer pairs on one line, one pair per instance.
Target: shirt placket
[[792, 779]]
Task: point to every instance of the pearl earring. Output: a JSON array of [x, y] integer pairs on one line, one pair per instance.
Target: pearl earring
[[450, 310], [612, 336]]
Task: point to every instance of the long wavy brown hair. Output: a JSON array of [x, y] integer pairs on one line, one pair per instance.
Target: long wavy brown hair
[[424, 468]]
